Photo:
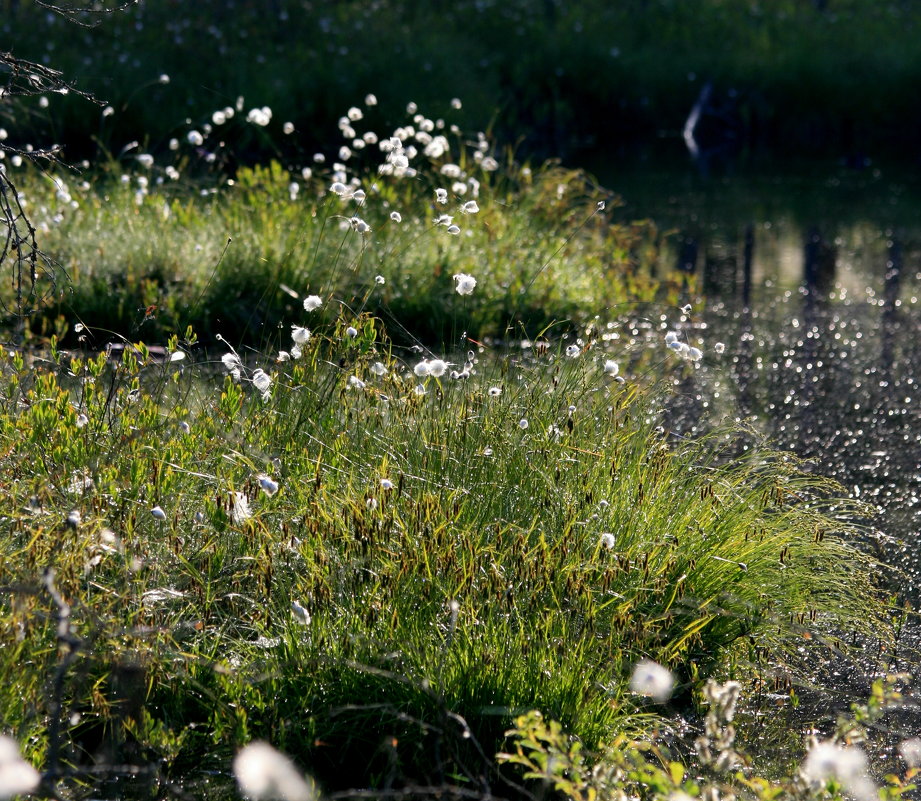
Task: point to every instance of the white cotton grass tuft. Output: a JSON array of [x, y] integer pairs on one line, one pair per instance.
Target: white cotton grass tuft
[[312, 303], [268, 484], [437, 367], [240, 511], [572, 351], [17, 777], [611, 368], [523, 423], [265, 774], [651, 680], [844, 764], [464, 284], [300, 335], [607, 540], [262, 380], [158, 513], [301, 613], [433, 367], [386, 484], [351, 332]]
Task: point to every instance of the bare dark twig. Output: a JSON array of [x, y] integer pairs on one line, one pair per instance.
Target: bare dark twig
[[70, 644], [70, 12]]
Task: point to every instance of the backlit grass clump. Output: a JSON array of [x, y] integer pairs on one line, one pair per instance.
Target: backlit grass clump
[[349, 546]]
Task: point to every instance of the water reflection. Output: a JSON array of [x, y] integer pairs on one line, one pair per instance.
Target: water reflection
[[812, 275]]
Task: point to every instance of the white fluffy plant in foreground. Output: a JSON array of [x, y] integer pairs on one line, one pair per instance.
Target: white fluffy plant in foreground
[[264, 774], [17, 777], [652, 680], [846, 765]]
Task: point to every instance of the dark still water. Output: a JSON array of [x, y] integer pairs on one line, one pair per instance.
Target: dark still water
[[812, 279]]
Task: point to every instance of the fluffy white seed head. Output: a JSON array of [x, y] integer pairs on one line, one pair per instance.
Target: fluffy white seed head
[[301, 613], [464, 284], [265, 774], [652, 680], [268, 484], [17, 777], [312, 303], [845, 764], [262, 380], [437, 367]]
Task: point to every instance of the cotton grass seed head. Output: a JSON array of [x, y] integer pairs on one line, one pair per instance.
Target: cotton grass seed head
[[262, 380], [312, 303], [269, 485], [301, 613], [17, 777], [437, 367], [300, 335], [652, 680], [265, 774], [845, 764], [240, 511], [464, 284], [611, 367], [158, 513]]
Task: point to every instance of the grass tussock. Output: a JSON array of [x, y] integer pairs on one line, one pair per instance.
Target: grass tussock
[[338, 550], [237, 261]]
